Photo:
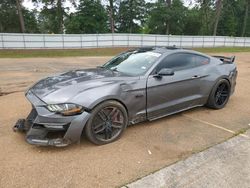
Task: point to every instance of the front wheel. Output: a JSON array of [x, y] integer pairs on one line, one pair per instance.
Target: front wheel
[[219, 95], [107, 123]]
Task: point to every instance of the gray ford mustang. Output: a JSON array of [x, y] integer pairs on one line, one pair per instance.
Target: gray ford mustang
[[135, 86]]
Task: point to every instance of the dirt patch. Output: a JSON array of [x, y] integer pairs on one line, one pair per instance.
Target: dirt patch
[[19, 74]]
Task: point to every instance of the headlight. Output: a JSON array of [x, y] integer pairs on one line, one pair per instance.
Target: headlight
[[65, 109]]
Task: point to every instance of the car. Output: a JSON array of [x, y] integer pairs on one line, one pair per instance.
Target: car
[[141, 84]]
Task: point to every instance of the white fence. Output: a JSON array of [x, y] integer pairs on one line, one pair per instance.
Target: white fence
[[64, 41]]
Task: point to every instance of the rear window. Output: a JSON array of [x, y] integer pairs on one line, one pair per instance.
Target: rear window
[[201, 60]]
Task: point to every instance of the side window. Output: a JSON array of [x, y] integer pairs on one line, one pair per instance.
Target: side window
[[201, 60], [182, 61]]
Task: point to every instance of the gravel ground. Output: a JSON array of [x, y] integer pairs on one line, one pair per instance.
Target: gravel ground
[[144, 148]]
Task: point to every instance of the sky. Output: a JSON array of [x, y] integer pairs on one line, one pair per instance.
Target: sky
[[28, 4]]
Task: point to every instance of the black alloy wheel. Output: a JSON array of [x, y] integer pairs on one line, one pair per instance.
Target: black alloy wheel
[[107, 123], [222, 94], [219, 95]]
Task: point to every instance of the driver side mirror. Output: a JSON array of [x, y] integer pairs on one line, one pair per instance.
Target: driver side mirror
[[165, 72]]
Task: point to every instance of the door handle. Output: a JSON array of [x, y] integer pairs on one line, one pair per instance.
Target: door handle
[[195, 76]]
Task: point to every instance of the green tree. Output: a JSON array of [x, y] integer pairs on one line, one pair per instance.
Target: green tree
[[206, 16], [157, 18], [178, 16], [193, 23], [9, 18], [31, 22], [48, 20], [229, 22], [167, 20], [53, 13], [131, 16], [91, 17]]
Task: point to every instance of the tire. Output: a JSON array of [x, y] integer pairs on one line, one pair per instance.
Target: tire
[[107, 123], [219, 95]]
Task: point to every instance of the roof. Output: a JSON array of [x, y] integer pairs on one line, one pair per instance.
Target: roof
[[160, 49], [169, 50]]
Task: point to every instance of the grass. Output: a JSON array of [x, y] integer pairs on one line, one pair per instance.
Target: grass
[[7, 53], [60, 53]]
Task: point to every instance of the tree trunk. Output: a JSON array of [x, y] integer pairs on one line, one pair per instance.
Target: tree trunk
[[130, 18], [217, 15], [245, 18], [1, 27], [204, 6], [168, 2], [20, 15], [111, 15], [168, 5], [60, 16]]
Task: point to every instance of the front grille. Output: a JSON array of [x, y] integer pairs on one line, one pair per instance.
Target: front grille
[[30, 119]]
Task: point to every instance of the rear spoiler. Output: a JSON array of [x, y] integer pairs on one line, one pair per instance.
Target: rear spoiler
[[226, 59]]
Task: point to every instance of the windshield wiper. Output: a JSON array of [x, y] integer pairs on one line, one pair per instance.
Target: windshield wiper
[[113, 69], [101, 66]]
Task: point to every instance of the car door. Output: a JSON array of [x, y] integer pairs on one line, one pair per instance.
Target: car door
[[170, 94]]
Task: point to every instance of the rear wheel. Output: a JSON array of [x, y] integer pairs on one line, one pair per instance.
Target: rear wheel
[[219, 95], [107, 122]]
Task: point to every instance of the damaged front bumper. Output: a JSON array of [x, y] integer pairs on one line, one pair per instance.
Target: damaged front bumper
[[45, 128]]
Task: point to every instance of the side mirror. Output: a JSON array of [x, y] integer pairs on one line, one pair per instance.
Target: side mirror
[[165, 72]]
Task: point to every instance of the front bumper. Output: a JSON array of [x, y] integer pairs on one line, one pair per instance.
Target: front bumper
[[45, 128]]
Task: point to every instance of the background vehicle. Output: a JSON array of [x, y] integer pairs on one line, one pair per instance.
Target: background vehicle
[[137, 85]]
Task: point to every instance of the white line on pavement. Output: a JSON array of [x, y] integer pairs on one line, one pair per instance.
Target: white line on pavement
[[217, 126]]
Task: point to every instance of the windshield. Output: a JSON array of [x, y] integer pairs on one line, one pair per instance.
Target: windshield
[[132, 63]]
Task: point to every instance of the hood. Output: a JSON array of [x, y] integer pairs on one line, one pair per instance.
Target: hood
[[61, 88]]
